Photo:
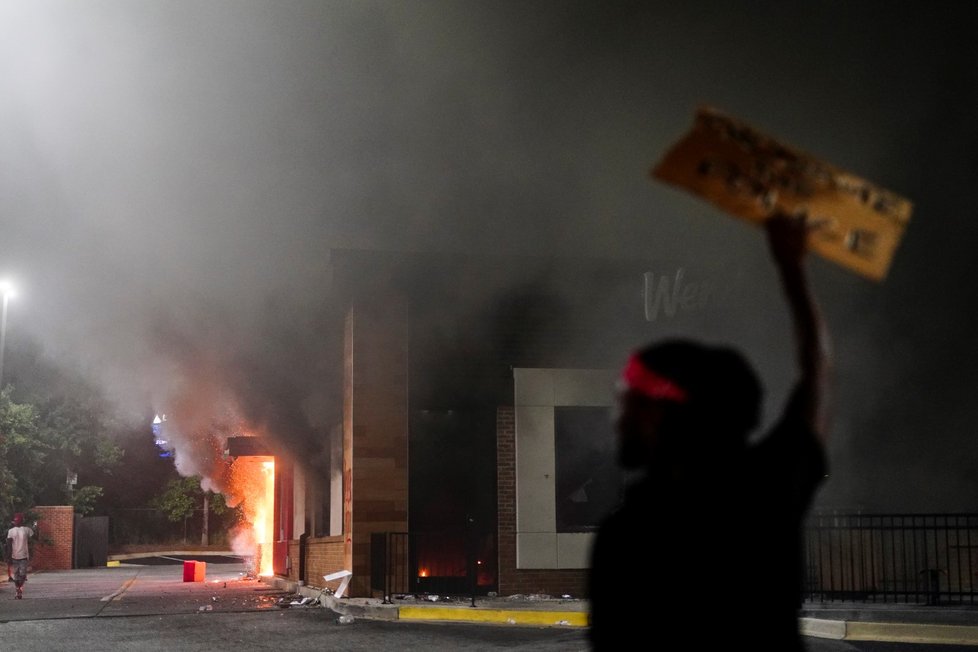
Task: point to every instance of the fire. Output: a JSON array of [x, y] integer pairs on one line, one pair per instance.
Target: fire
[[253, 486], [423, 572]]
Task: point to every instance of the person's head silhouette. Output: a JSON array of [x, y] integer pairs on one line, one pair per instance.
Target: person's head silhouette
[[683, 402]]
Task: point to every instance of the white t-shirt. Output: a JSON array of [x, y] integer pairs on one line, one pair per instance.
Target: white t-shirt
[[19, 535]]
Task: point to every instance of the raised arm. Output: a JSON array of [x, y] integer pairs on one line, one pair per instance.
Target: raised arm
[[786, 238]]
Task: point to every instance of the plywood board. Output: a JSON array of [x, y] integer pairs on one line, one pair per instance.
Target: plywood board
[[749, 174]]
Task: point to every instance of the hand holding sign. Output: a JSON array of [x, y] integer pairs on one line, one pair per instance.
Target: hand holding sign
[[751, 175]]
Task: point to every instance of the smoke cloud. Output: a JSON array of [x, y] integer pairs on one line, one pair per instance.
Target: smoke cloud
[[173, 176]]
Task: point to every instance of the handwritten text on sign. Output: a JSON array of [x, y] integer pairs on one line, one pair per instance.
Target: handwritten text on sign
[[749, 175]]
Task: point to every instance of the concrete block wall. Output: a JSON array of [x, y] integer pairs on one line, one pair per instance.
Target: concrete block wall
[[52, 546], [375, 429]]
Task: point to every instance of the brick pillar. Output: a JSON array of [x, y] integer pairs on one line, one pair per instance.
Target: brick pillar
[[375, 428], [506, 498], [52, 546]]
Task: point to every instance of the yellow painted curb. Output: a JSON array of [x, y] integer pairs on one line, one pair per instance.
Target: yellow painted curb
[[900, 632], [112, 562], [514, 617]]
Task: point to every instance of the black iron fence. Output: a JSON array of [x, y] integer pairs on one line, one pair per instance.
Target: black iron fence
[[849, 556], [449, 563], [902, 558]]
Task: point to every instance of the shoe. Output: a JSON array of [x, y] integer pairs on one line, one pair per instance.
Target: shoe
[[20, 594]]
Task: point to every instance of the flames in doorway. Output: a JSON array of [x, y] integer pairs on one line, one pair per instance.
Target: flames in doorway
[[251, 487]]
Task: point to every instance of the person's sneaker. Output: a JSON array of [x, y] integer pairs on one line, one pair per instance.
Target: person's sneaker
[[20, 594]]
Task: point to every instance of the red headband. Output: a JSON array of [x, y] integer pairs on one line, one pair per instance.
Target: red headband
[[643, 380]]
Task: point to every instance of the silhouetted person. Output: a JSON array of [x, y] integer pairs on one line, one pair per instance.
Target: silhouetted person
[[18, 552], [707, 543]]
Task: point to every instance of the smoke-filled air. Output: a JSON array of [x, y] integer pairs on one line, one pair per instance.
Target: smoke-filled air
[[176, 175]]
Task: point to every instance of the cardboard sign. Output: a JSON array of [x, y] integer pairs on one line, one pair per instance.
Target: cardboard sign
[[749, 174]]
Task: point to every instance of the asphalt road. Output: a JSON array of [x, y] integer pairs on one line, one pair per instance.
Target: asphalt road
[[149, 607], [144, 605]]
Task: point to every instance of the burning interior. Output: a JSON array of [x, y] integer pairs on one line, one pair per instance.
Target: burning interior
[[250, 486]]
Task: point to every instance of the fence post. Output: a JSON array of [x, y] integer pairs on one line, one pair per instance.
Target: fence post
[[471, 554]]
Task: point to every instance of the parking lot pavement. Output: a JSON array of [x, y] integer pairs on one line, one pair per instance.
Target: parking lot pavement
[[131, 589], [157, 588]]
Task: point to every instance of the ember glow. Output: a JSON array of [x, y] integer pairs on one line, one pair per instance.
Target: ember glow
[[252, 484]]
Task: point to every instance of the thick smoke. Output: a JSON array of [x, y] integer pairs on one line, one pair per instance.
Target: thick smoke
[[275, 379], [174, 174]]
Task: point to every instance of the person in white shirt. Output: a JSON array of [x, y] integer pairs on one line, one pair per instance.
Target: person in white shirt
[[18, 551]]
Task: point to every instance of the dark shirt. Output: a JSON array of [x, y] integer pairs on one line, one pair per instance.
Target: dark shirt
[[717, 560]]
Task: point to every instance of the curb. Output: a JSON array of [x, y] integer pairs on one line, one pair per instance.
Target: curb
[[481, 615], [904, 633], [835, 629], [499, 616], [123, 556], [843, 630]]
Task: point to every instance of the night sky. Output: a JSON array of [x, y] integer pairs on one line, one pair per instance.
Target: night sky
[[173, 175]]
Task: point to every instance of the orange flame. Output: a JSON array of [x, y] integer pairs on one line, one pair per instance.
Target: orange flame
[[253, 485], [264, 518]]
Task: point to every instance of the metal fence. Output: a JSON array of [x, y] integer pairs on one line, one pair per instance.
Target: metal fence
[[849, 556], [456, 563], [902, 558], [391, 569]]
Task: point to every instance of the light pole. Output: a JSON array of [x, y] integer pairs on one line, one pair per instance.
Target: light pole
[[7, 290]]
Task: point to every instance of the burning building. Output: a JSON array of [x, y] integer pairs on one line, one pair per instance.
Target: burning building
[[470, 449]]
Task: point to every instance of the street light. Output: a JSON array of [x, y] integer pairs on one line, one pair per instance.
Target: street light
[[7, 290]]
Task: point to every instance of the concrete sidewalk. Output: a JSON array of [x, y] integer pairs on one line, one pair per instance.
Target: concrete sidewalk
[[898, 623]]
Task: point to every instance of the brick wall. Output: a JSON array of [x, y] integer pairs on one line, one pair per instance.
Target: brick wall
[[324, 555], [52, 549], [513, 581], [293, 560]]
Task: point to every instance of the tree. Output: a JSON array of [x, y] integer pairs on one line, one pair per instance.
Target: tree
[[84, 499], [144, 474], [73, 428], [180, 499], [21, 454], [54, 424]]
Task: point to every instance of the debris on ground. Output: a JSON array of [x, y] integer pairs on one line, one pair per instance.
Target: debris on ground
[[296, 600], [533, 597]]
